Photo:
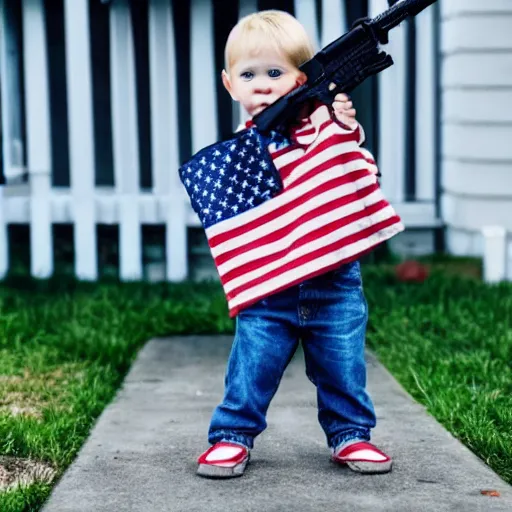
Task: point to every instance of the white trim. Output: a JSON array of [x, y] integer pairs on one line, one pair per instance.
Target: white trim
[[153, 210], [150, 208], [426, 90], [38, 137], [334, 20], [125, 138], [164, 137], [418, 215], [81, 143], [202, 72]]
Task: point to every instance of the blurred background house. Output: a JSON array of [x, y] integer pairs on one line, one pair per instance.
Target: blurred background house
[[101, 100]]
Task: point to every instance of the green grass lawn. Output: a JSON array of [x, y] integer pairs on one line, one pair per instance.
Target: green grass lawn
[[65, 347]]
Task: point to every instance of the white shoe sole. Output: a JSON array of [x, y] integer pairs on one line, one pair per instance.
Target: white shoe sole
[[212, 471], [369, 468]]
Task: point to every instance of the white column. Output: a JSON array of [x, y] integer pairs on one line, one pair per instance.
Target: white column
[[495, 254], [334, 20], [305, 12], [508, 263], [81, 143], [202, 69], [164, 137], [246, 7], [4, 248], [392, 129], [38, 137], [125, 139], [426, 91]]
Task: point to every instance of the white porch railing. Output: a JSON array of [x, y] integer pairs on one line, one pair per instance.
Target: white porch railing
[[85, 205]]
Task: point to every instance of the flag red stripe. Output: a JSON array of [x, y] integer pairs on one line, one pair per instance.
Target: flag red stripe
[[320, 232], [328, 143], [278, 234], [220, 238], [340, 138], [341, 159], [234, 310], [316, 254]]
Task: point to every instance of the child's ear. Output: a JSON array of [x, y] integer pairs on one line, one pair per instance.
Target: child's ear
[[227, 84], [301, 79]]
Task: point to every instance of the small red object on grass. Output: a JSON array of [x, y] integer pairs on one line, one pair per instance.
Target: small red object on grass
[[490, 492], [411, 271]]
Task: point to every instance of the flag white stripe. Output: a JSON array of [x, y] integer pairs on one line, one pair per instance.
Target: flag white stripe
[[285, 158], [303, 229], [323, 157], [348, 251], [303, 250], [286, 218]]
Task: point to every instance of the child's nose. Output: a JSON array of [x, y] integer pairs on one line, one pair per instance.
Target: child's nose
[[262, 87]]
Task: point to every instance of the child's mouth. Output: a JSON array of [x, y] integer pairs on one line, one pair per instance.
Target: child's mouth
[[260, 107]]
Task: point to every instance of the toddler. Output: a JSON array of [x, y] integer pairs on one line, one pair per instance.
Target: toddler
[[328, 313]]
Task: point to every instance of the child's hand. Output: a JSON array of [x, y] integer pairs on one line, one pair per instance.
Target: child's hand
[[344, 111]]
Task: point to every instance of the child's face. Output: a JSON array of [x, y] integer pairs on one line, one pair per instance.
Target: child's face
[[259, 80]]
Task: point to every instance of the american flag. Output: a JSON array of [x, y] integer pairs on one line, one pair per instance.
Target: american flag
[[277, 211]]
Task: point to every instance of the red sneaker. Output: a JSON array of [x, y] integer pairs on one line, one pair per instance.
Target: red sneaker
[[223, 460], [363, 457]]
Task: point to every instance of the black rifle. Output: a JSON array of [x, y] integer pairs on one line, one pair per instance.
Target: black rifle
[[346, 62]]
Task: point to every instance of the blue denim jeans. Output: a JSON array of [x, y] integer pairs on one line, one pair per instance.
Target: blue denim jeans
[[328, 314]]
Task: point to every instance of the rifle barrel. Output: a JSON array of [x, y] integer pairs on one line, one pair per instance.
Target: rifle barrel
[[393, 16]]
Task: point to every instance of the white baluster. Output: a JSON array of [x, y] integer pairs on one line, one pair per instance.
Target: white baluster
[[426, 91], [305, 12], [334, 20], [125, 139], [240, 116], [203, 97], [38, 137], [392, 129], [164, 137], [81, 143]]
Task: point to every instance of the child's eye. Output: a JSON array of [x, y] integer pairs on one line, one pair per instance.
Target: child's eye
[[247, 75], [274, 73]]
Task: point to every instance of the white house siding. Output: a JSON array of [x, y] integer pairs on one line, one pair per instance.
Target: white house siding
[[476, 44]]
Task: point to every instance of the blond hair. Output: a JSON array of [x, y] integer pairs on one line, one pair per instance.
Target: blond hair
[[277, 29]]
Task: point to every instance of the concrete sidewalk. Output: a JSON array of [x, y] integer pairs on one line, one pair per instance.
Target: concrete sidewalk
[[141, 454]]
